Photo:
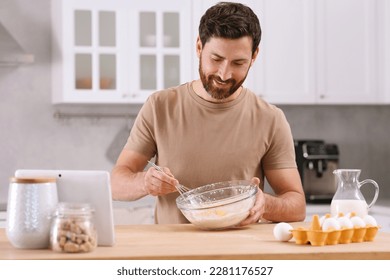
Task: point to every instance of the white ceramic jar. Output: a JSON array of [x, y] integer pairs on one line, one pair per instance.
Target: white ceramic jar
[[31, 202]]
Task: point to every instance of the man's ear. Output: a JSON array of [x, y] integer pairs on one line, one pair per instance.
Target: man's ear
[[198, 46], [254, 56]]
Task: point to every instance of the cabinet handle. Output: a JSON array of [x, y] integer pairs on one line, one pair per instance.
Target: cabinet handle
[[129, 95]]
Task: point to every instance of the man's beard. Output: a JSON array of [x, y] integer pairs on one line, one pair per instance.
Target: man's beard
[[210, 84]]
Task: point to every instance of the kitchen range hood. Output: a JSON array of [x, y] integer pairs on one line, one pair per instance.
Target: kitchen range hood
[[11, 53]]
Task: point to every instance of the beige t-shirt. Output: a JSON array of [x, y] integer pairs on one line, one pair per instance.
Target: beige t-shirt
[[203, 142]]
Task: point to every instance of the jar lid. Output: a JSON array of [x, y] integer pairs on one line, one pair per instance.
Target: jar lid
[[73, 209], [35, 180]]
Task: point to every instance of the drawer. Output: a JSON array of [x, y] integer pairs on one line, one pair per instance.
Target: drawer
[[3, 217]]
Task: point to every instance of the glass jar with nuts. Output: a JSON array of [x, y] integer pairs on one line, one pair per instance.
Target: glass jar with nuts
[[72, 229]]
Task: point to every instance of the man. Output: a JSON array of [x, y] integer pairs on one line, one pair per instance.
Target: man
[[213, 129]]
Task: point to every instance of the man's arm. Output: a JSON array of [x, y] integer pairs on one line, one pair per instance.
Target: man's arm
[[129, 181], [287, 205]]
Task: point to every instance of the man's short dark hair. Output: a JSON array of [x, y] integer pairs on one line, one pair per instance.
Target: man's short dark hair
[[231, 21]]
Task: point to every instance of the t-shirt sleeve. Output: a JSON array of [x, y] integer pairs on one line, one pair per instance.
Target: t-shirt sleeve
[[281, 151], [142, 135]]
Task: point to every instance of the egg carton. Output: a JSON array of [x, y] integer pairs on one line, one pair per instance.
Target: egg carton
[[318, 235]]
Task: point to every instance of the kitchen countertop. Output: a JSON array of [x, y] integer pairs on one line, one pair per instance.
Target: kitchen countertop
[[184, 241]]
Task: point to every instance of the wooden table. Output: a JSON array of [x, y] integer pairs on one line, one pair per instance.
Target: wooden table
[[187, 242]]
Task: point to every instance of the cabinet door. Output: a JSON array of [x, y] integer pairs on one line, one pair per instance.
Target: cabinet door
[[118, 51], [159, 48], [285, 66], [384, 50], [283, 71], [85, 52], [347, 47]]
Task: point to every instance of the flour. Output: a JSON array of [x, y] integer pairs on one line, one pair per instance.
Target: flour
[[217, 218]]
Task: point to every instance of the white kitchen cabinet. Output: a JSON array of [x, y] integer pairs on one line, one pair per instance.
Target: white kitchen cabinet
[[133, 216], [311, 52], [273, 75], [284, 70], [319, 52], [134, 212], [3, 219], [384, 51], [347, 50], [118, 51]]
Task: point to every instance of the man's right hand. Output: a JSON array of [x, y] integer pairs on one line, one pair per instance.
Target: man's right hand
[[159, 183]]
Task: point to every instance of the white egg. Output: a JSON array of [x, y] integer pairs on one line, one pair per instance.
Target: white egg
[[282, 231], [322, 219], [345, 222], [330, 223], [357, 221], [349, 215], [370, 221]]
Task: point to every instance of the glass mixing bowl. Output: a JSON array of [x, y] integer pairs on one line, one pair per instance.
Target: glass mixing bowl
[[218, 206]]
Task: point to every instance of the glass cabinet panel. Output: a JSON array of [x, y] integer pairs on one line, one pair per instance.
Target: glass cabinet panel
[[107, 71], [83, 28], [171, 70], [171, 30], [148, 72], [147, 29], [107, 29], [119, 51], [83, 70]]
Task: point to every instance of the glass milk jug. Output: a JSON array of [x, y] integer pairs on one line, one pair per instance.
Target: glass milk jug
[[348, 197]]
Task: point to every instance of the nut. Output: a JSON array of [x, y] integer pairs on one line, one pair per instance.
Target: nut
[[73, 236]]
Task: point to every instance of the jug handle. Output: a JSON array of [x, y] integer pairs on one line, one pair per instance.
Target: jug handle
[[376, 190]]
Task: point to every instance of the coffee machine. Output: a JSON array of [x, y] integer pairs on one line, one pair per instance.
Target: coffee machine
[[316, 161]]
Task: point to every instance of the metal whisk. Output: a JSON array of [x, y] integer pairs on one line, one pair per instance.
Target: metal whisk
[[180, 188]]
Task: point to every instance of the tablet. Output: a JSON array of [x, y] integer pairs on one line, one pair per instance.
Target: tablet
[[84, 186]]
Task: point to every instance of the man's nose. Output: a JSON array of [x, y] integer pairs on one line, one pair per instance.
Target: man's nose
[[224, 71]]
